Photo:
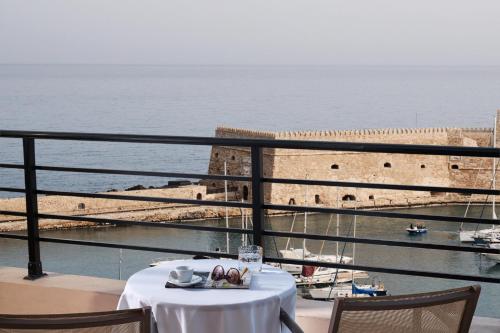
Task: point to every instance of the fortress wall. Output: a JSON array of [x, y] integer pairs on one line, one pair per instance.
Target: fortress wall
[[470, 171], [363, 167], [424, 136], [237, 159], [359, 167], [238, 163]]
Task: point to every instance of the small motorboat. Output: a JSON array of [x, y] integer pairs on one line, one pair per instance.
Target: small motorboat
[[348, 290], [370, 290], [417, 229]]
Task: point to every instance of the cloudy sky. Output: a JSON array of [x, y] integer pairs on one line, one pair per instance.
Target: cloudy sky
[[369, 32]]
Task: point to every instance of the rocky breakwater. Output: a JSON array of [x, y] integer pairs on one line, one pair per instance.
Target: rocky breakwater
[[118, 209]]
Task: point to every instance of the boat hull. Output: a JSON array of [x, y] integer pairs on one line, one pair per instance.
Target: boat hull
[[328, 293], [416, 231], [468, 236]]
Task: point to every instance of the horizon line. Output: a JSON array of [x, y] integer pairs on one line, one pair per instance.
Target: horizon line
[[243, 65]]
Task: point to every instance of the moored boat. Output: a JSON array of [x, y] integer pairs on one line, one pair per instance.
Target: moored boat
[[304, 254], [417, 229], [324, 276], [348, 290]]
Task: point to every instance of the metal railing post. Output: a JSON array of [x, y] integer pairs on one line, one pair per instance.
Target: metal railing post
[[34, 264], [257, 194]]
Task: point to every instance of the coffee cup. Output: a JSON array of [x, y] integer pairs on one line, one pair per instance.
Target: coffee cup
[[182, 274]]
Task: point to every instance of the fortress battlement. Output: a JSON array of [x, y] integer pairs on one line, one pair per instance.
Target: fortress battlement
[[232, 132], [223, 131]]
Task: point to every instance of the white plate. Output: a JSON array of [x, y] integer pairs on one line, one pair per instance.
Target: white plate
[[194, 280]]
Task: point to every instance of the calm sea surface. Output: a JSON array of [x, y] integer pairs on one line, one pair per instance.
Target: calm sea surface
[[193, 100]]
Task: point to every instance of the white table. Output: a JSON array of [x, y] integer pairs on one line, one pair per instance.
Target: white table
[[176, 310]]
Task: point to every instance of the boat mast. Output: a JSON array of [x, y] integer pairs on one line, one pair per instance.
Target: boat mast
[[305, 224], [493, 213], [338, 220], [326, 234], [242, 224], [225, 197], [354, 235], [291, 230]]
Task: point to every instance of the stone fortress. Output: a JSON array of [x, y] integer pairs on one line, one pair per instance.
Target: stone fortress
[[449, 171]]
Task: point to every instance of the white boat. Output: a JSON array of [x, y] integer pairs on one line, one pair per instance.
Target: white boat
[[325, 275], [415, 230], [469, 235], [302, 254], [487, 238], [493, 256], [341, 290]]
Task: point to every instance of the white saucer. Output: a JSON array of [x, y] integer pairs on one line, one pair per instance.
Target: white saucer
[[194, 280]]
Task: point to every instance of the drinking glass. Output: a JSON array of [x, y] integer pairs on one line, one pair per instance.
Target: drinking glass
[[250, 256]]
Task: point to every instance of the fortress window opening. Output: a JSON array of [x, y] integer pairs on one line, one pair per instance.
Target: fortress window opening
[[422, 166], [348, 197], [233, 158], [371, 197], [216, 155], [199, 196], [81, 205], [317, 199], [335, 166], [291, 201], [454, 166], [387, 165], [245, 192]]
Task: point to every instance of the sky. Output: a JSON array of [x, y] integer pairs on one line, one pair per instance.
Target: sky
[[251, 32]]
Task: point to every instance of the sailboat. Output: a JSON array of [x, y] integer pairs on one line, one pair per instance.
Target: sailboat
[[304, 254], [489, 235], [352, 289], [309, 275]]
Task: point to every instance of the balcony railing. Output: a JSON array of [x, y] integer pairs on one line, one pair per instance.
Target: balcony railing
[[257, 203]]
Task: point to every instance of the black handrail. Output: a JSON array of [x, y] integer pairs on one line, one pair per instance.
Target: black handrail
[[264, 143], [257, 149]]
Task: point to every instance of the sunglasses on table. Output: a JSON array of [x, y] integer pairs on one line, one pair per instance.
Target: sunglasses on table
[[232, 276]]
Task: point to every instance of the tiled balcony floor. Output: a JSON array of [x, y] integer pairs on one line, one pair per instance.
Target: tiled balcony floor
[[51, 294]]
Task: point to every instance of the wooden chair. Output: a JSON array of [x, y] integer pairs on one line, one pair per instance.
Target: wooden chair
[[442, 311], [121, 321]]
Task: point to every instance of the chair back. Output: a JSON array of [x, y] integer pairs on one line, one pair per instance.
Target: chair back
[[121, 321], [441, 311]]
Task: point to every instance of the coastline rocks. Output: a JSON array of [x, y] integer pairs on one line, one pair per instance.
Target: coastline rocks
[[135, 188]]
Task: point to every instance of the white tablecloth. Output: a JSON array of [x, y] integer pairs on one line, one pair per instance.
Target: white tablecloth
[[255, 310]]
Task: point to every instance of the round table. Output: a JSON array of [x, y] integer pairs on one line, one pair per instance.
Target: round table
[[189, 310]]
